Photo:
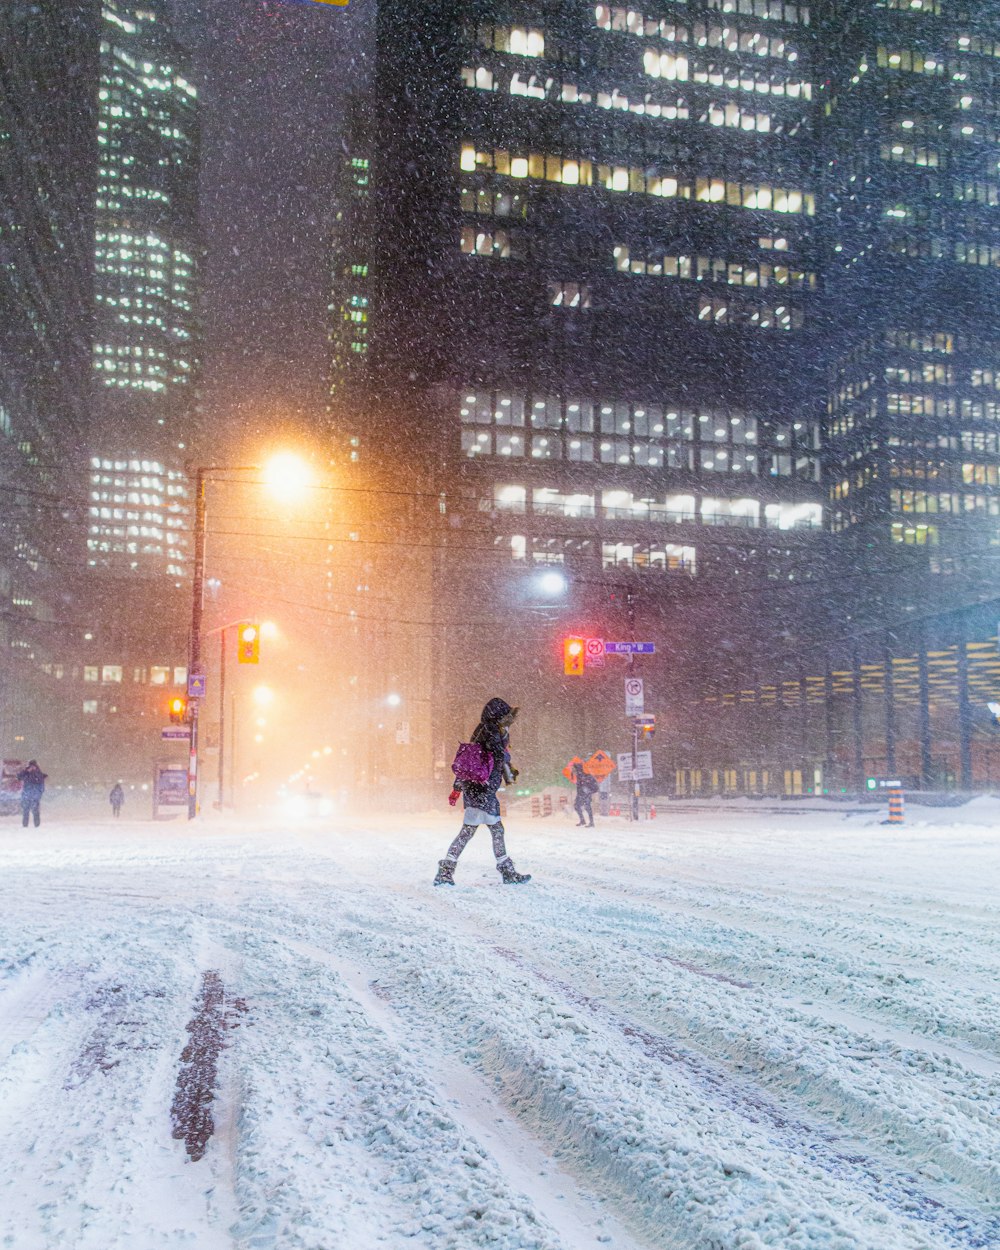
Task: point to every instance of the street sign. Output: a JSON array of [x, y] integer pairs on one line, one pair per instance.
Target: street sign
[[600, 765], [630, 648], [633, 696], [643, 766], [196, 685], [176, 733], [594, 652]]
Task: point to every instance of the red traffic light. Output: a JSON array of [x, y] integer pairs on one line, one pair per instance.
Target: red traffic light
[[573, 657], [248, 644]]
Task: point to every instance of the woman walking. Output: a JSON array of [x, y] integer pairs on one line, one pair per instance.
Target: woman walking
[[480, 798]]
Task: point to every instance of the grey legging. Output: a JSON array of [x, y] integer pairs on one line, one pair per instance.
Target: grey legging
[[464, 836]]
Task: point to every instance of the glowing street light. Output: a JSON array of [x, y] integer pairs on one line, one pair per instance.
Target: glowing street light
[[551, 583], [263, 696], [287, 475]]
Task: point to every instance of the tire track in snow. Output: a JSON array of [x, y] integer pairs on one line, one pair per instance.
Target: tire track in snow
[[883, 1183], [857, 990], [198, 1075], [840, 1158], [25, 1005], [574, 1214]]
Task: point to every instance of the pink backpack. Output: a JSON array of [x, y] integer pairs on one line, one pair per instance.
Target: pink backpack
[[472, 763]]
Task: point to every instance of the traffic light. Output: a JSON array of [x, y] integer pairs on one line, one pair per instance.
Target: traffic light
[[178, 709], [248, 644], [646, 726], [573, 657]]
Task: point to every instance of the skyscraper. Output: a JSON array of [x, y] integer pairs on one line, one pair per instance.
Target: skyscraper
[[912, 125], [48, 74], [591, 342], [147, 255]]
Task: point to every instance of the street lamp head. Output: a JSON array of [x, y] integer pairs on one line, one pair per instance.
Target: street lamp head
[[394, 700], [551, 582], [287, 475]]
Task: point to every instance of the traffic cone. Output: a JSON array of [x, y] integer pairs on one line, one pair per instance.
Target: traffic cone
[[652, 811]]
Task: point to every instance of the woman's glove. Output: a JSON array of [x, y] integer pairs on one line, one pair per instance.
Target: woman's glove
[[453, 797]]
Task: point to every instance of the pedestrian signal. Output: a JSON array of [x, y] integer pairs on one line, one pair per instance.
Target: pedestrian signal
[[248, 644], [178, 708], [573, 657]]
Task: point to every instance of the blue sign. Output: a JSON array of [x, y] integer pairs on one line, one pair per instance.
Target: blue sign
[[630, 648], [170, 786], [196, 685], [181, 733]]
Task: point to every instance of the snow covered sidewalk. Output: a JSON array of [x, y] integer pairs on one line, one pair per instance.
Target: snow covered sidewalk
[[726, 1029]]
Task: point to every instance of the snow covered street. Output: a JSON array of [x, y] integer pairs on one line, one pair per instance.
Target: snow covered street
[[739, 1025]]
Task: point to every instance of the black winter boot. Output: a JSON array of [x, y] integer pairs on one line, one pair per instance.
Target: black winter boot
[[445, 873], [510, 874]]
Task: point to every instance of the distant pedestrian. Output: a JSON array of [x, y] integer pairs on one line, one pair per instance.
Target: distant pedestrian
[[117, 797], [32, 781], [586, 787], [480, 798]]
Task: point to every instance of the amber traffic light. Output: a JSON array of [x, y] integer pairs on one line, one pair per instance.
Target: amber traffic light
[[178, 708]]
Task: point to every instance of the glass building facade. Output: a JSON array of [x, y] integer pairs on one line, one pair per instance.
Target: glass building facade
[[912, 128], [596, 273], [48, 74], [147, 344], [696, 301]]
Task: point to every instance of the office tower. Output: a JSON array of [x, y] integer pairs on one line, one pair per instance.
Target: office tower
[[48, 74], [147, 339], [144, 367], [351, 255], [591, 342], [911, 127]]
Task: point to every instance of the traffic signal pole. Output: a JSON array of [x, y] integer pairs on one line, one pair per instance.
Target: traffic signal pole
[[222, 716], [630, 605], [194, 658]]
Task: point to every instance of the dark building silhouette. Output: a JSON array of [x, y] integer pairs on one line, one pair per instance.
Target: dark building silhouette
[[48, 173], [591, 340], [911, 125]]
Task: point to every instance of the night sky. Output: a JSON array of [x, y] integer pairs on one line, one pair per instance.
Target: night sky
[[274, 78]]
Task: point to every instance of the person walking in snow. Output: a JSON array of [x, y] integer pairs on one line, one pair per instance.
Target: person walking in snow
[[586, 788], [481, 806], [117, 798], [32, 781]]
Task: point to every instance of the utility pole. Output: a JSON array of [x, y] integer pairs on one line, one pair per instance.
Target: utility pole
[[630, 606], [222, 716], [194, 659]]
